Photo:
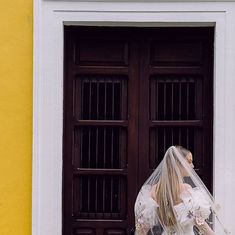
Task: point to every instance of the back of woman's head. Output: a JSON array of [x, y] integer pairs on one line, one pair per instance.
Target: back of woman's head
[[183, 151]]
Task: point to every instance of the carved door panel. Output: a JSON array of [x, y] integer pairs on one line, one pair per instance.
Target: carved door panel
[[176, 97]]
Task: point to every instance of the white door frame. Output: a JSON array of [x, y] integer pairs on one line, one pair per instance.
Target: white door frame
[[49, 20]]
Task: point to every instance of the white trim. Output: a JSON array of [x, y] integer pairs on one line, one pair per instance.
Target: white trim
[[49, 19]]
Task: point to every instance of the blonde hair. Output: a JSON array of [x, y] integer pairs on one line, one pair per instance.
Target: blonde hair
[[166, 201]]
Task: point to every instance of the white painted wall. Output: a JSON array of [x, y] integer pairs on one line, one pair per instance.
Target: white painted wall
[[49, 19]]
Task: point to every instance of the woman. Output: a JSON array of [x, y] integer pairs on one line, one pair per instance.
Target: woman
[[174, 200]]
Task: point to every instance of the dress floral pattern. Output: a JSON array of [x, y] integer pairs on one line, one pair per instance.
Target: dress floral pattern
[[194, 210]]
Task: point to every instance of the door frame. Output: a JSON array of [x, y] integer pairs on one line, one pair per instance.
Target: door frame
[[49, 20]]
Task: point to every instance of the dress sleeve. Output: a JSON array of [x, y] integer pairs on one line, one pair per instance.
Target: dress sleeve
[[145, 212], [199, 208], [201, 204], [195, 210]]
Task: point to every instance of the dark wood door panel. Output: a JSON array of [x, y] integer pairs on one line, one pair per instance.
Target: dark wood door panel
[[175, 53], [100, 97], [130, 93], [101, 52], [176, 103], [175, 97], [101, 131]]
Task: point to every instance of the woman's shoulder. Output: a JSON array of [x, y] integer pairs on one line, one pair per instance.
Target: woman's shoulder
[[147, 194], [185, 186], [145, 204], [185, 189]]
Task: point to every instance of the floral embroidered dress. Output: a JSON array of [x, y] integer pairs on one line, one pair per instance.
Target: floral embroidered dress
[[194, 209]]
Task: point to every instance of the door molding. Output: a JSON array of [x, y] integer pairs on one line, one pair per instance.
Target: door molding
[[49, 19]]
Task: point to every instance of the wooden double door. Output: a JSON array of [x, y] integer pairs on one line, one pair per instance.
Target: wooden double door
[[129, 94]]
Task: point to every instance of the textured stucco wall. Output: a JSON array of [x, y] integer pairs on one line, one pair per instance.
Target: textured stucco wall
[[15, 116]]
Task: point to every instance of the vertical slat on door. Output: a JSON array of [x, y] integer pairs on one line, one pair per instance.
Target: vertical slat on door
[[172, 101], [164, 116], [180, 92], [97, 98], [105, 98]]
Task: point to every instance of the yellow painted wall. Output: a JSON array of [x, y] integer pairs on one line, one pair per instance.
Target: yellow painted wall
[[16, 34]]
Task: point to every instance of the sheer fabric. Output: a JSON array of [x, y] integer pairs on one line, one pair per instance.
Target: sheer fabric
[[174, 200]]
